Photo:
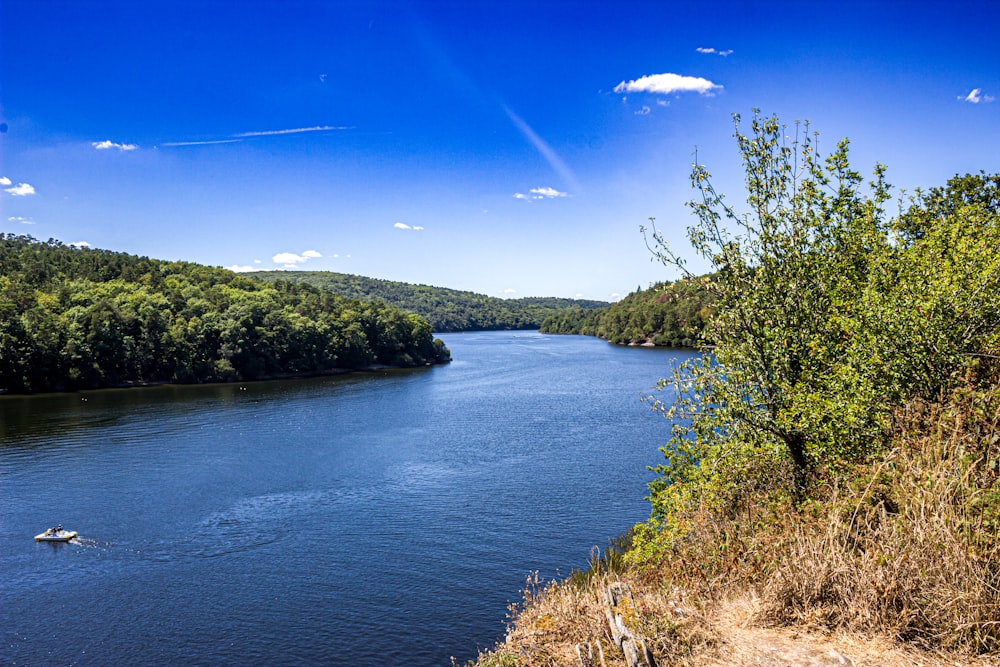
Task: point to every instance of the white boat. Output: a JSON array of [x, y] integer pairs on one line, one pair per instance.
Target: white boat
[[56, 535]]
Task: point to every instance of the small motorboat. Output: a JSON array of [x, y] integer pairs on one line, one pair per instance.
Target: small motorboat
[[58, 534]]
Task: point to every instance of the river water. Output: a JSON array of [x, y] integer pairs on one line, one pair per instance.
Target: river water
[[368, 519]]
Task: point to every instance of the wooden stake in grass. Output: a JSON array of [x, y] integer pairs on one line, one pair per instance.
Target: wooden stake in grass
[[621, 612]]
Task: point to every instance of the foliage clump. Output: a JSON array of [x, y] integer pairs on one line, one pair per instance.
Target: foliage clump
[[73, 318], [837, 450], [669, 314]]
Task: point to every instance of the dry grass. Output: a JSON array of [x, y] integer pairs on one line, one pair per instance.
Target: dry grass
[[555, 618], [914, 555], [549, 627]]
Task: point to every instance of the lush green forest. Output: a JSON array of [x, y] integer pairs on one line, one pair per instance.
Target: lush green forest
[[445, 309], [80, 318], [666, 314]]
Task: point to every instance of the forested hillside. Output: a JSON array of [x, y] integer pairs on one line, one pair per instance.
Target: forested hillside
[[445, 309], [80, 318], [667, 314]]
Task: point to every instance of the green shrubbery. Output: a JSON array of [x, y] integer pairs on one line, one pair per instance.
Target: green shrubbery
[[795, 465]]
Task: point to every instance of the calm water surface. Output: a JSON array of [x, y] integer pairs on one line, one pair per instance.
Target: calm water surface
[[373, 519]]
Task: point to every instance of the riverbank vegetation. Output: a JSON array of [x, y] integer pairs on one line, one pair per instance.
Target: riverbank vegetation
[[74, 318], [447, 310], [668, 314], [832, 476]]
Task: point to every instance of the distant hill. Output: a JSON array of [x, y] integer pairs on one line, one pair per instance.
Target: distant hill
[[667, 314], [76, 318], [445, 309]]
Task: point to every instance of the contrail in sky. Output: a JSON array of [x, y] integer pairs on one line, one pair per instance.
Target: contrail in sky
[[547, 152]]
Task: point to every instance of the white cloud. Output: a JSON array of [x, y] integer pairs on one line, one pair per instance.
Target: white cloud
[[644, 111], [80, 244], [703, 49], [107, 143], [20, 190], [976, 96], [667, 83], [291, 260], [548, 192], [403, 225], [540, 193], [236, 268], [22, 220], [510, 290], [614, 296], [4, 180]]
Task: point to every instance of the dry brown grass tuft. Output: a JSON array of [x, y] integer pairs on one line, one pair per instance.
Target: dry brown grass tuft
[[557, 617], [913, 554]]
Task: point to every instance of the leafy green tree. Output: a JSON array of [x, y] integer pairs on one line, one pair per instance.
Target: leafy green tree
[[784, 274], [828, 315]]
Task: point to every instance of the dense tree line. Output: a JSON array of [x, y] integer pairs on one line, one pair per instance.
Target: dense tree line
[[666, 314], [80, 318], [445, 309]]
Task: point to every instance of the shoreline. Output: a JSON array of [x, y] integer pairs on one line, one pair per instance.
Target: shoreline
[[143, 384]]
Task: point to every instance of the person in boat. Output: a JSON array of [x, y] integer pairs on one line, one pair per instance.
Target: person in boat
[[59, 528]]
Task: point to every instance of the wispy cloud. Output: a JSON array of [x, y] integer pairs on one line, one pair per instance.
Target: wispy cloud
[[201, 143], [544, 149], [403, 225], [540, 193], [295, 130], [21, 219], [644, 111], [291, 260], [510, 290], [107, 144], [19, 190], [708, 50], [667, 83], [236, 138], [976, 96]]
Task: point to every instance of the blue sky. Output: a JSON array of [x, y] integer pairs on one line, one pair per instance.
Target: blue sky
[[508, 148]]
